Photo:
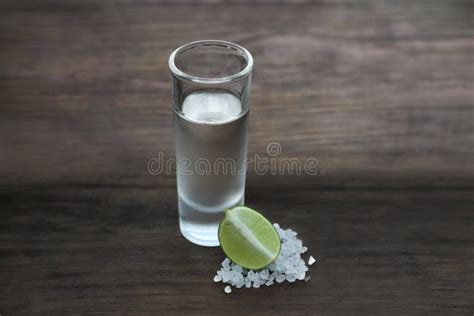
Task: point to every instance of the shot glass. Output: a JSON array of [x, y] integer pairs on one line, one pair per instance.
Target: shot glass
[[211, 82]]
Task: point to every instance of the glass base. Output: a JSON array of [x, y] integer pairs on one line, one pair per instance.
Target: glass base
[[203, 235], [200, 225]]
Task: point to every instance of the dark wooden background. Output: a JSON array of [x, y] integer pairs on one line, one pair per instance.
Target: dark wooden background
[[380, 92]]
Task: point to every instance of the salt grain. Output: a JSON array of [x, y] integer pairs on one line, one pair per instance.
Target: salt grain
[[280, 278], [228, 289], [311, 260]]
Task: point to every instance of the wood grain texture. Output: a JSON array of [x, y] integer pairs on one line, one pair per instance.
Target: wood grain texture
[[368, 88], [380, 92], [113, 250]]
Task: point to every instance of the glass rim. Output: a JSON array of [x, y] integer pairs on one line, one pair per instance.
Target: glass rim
[[208, 80]]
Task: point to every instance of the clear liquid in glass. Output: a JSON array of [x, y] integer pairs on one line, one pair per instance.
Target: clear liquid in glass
[[211, 152]]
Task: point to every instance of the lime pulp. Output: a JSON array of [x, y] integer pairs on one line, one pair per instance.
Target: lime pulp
[[248, 238]]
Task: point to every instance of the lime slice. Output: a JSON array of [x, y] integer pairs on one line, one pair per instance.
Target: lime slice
[[248, 238]]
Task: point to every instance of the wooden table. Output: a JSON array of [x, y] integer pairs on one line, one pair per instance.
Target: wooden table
[[381, 93]]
